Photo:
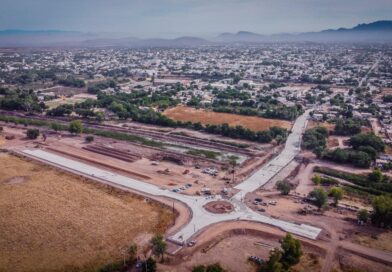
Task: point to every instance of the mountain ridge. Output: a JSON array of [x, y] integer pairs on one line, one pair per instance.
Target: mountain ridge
[[378, 31]]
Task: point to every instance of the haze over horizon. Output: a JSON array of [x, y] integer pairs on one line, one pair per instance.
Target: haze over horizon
[[173, 18]]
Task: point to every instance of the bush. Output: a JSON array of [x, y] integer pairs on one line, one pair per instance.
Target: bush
[[368, 139], [315, 138], [32, 133], [337, 194], [316, 179], [149, 265], [319, 197], [382, 211], [75, 127], [324, 181], [363, 215], [209, 268], [282, 260], [347, 127], [284, 187], [357, 158], [367, 185], [89, 138]]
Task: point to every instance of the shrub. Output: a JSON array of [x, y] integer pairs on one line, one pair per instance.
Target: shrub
[[284, 187], [89, 138], [32, 133], [75, 127], [319, 197], [363, 215], [382, 211]]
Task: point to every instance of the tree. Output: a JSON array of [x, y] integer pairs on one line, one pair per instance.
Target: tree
[[32, 133], [347, 126], [337, 194], [158, 245], [149, 265], [315, 138], [284, 187], [363, 215], [382, 211], [368, 139], [273, 264], [75, 127], [319, 197], [292, 251]]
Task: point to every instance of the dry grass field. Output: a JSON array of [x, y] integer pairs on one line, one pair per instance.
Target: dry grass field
[[254, 123], [55, 221], [383, 241]]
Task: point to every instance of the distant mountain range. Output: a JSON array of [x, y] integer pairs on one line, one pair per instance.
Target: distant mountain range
[[380, 31], [374, 32]]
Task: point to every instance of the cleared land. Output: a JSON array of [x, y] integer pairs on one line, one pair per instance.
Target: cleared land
[[381, 241], [53, 221], [78, 98], [254, 123]]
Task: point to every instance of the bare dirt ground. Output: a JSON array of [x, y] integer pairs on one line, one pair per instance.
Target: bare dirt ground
[[233, 253], [231, 244], [335, 241], [182, 113], [381, 240], [78, 98], [51, 220], [351, 263], [312, 124], [164, 173]]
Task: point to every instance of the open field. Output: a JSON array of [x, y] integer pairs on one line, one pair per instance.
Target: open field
[[231, 249], [382, 241], [312, 124], [78, 98], [53, 221], [182, 113]]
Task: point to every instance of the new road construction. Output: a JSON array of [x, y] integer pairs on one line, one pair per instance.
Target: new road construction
[[273, 167], [201, 218]]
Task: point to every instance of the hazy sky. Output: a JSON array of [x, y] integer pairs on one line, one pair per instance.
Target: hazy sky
[[170, 18]]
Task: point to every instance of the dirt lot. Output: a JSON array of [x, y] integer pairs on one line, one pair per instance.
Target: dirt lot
[[352, 263], [232, 253], [182, 113], [78, 98], [50, 220], [381, 241], [312, 124]]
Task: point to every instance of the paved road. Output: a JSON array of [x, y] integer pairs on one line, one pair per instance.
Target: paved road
[[273, 167], [200, 217]]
